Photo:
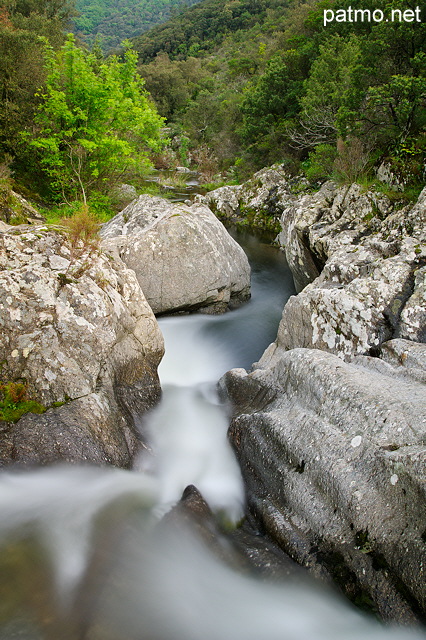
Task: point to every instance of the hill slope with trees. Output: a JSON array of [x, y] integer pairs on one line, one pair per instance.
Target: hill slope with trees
[[254, 82], [241, 83], [112, 21]]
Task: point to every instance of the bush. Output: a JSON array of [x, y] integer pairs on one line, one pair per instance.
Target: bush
[[320, 163], [82, 234], [352, 160]]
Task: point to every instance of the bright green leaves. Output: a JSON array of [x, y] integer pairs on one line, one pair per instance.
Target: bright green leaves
[[96, 122]]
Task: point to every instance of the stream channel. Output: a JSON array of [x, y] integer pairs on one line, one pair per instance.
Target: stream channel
[[82, 555]]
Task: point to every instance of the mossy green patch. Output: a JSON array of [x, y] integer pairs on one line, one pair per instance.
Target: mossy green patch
[[14, 402]]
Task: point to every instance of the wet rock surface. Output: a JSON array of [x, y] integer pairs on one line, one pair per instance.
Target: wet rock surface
[[242, 548], [183, 257], [78, 331], [333, 455]]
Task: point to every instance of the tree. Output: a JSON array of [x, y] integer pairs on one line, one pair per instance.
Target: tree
[[96, 121], [274, 99], [22, 22], [331, 96]]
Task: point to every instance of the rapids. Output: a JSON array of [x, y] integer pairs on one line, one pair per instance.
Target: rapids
[[82, 556]]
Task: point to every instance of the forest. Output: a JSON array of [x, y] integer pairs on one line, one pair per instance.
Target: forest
[[112, 21], [222, 87], [252, 83]]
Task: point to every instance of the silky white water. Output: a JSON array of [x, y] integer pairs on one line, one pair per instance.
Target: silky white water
[[187, 431], [83, 558], [96, 568]]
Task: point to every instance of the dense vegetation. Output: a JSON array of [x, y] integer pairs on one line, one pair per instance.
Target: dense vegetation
[[242, 84], [72, 122], [250, 82], [112, 21], [95, 122]]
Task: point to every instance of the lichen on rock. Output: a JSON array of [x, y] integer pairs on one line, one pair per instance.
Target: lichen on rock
[[81, 335], [370, 287], [183, 257]]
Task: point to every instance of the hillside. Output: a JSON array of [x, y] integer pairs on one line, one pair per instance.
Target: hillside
[[116, 20], [245, 83], [203, 27], [242, 84]]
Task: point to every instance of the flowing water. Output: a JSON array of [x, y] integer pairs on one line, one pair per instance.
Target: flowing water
[[188, 429], [82, 556]]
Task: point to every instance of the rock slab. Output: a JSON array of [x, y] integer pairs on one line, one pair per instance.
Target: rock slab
[[333, 454]]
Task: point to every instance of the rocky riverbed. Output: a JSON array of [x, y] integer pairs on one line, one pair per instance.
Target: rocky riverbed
[[330, 425]]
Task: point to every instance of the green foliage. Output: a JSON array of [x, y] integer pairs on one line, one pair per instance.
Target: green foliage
[[173, 83], [6, 199], [200, 28], [243, 84], [330, 93], [95, 121], [14, 402], [112, 21], [275, 84], [100, 205], [320, 164], [22, 72], [397, 106], [273, 99]]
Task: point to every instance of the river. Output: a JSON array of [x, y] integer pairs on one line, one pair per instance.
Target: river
[[82, 556]]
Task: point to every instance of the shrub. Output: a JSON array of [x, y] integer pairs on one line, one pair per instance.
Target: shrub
[[352, 160], [320, 164]]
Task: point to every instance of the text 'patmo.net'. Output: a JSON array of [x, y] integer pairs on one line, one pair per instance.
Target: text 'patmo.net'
[[366, 15]]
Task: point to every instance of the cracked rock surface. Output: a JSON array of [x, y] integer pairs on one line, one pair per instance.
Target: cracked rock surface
[[78, 331], [183, 257], [330, 425], [333, 454], [372, 284]]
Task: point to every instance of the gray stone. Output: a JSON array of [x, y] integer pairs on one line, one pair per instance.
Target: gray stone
[[371, 282], [26, 209], [224, 201], [183, 257], [261, 198], [333, 455], [412, 324], [84, 336]]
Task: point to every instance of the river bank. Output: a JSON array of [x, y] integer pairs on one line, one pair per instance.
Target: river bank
[[328, 423]]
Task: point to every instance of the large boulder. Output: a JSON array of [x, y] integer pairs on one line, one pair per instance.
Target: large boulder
[[183, 257], [333, 455], [330, 426], [78, 332], [371, 284]]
